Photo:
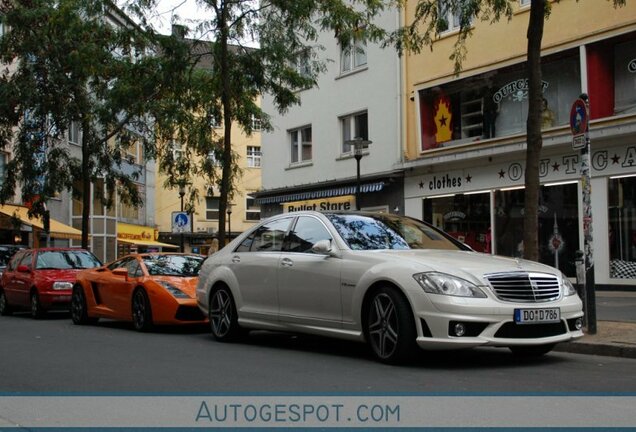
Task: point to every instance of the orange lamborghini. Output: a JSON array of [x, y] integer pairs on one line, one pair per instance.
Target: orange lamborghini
[[147, 289]]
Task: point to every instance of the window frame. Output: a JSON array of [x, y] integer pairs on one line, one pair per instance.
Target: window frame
[[249, 209], [300, 145], [350, 54], [254, 156], [74, 133], [353, 130], [209, 210], [450, 16]]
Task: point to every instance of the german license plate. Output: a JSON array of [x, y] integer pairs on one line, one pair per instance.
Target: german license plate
[[533, 316]]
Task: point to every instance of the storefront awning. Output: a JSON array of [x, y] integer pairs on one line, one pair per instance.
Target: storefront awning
[[147, 243], [58, 229], [322, 193]]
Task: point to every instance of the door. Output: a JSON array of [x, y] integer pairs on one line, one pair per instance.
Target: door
[[309, 283], [113, 289], [9, 279], [254, 263], [22, 281]]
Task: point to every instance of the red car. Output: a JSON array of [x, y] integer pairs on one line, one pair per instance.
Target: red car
[[42, 279]]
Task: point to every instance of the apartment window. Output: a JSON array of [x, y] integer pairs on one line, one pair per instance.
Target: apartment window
[[300, 144], [302, 64], [256, 123], [212, 208], [524, 2], [177, 150], [353, 56], [253, 157], [450, 17], [354, 126], [215, 158], [74, 133], [133, 152], [252, 210]]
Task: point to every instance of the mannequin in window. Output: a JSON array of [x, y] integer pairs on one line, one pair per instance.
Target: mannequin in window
[[547, 115], [490, 111]]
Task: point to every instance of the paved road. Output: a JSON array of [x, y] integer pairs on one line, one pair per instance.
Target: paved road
[[53, 355]]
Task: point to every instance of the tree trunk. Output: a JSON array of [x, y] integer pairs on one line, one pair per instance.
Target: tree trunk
[[534, 139], [226, 102], [86, 181]]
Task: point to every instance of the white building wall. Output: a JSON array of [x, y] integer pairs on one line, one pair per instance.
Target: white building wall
[[374, 88]]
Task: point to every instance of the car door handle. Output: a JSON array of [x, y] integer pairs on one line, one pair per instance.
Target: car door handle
[[236, 259], [286, 262]]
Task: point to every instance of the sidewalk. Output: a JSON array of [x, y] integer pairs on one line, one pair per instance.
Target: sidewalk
[[616, 327]]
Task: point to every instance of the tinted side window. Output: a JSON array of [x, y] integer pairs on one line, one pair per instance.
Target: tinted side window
[[14, 262], [27, 259], [306, 232], [269, 237], [245, 244]]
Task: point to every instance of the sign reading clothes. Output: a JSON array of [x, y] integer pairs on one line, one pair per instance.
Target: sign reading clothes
[[344, 203]]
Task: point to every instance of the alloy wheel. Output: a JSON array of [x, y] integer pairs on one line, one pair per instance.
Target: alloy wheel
[[139, 310], [383, 326], [221, 313]]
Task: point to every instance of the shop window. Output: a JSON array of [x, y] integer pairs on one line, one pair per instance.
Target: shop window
[[558, 225], [496, 104], [625, 77], [622, 227], [300, 140], [464, 216], [353, 127]]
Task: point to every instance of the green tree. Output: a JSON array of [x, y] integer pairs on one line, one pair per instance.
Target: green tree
[[286, 60], [77, 62], [430, 19]]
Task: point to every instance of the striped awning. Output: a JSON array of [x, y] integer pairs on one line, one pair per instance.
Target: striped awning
[[321, 193]]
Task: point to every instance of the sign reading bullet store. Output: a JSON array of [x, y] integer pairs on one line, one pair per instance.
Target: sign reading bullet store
[[343, 203]]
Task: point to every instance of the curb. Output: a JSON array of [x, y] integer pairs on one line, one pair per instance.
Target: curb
[[610, 350]]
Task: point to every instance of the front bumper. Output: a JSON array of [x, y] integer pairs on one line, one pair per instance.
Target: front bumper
[[490, 322]]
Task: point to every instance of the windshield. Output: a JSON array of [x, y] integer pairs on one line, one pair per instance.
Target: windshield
[[66, 259], [383, 231], [173, 265]]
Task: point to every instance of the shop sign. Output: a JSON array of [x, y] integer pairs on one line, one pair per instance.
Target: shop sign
[[453, 216], [324, 204], [136, 232], [517, 91]]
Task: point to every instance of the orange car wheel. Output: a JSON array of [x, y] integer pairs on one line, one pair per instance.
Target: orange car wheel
[[79, 311], [141, 311]]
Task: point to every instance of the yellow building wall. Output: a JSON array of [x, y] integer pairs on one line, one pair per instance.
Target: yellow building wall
[[493, 46], [168, 201]]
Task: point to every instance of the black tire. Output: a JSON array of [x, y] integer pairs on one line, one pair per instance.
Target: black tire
[[223, 316], [79, 311], [389, 326], [37, 311], [5, 308], [141, 311], [530, 351]]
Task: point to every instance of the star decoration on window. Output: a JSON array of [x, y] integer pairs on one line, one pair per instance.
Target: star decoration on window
[[615, 159], [555, 167], [502, 173], [421, 184]]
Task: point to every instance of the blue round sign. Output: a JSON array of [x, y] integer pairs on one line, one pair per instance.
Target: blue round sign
[[578, 117]]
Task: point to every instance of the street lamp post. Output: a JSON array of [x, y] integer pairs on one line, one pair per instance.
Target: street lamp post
[[359, 145], [229, 222], [181, 195]]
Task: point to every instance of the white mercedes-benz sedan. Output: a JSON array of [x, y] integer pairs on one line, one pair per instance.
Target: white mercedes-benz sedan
[[394, 282]]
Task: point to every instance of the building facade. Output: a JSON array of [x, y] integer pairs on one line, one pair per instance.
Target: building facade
[[466, 136], [309, 158]]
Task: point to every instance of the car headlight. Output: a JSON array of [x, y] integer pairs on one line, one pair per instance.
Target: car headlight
[[176, 292], [444, 284], [568, 288], [62, 285]]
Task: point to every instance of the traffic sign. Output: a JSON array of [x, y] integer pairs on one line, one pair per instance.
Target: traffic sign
[[180, 222]]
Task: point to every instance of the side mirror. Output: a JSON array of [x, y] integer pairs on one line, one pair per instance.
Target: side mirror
[[322, 247], [23, 269], [121, 272]]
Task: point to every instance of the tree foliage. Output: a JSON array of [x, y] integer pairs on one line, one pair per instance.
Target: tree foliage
[[287, 59], [77, 62]]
